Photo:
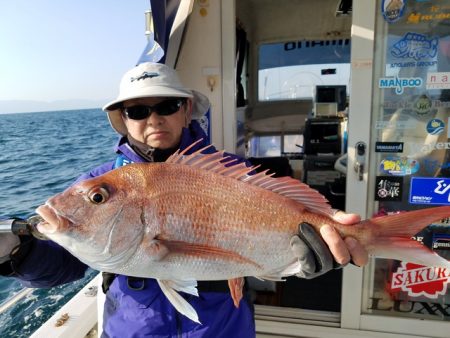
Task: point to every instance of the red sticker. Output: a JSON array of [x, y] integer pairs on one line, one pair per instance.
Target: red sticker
[[418, 280]]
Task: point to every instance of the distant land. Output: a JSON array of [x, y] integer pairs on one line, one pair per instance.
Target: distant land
[[29, 106]]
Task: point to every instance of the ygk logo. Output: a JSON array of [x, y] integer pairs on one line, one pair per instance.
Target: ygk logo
[[399, 83], [418, 280], [415, 46], [422, 106], [144, 76]]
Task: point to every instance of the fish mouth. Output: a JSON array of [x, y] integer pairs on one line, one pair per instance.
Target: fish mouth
[[53, 222]]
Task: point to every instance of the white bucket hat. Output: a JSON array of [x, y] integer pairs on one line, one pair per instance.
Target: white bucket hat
[[152, 80]]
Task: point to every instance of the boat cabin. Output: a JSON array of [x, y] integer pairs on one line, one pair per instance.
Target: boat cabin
[[351, 98]]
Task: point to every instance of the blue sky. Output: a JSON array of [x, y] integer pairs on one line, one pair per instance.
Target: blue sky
[[68, 49]]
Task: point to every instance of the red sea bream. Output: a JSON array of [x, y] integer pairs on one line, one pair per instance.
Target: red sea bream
[[194, 218]]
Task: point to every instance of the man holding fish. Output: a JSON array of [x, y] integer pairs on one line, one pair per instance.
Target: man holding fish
[[155, 116]]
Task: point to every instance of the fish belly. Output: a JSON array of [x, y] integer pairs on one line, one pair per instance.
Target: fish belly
[[248, 261]]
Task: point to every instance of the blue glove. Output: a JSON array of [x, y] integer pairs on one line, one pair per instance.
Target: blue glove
[[312, 252]]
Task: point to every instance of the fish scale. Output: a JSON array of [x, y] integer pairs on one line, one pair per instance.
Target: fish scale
[[232, 233]]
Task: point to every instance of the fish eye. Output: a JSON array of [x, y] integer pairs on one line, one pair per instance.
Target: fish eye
[[98, 195]]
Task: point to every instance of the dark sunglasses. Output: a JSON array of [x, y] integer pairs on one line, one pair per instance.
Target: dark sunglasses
[[164, 108]]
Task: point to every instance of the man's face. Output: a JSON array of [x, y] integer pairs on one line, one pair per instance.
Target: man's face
[[158, 131]]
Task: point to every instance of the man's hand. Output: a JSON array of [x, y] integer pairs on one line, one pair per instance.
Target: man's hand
[[347, 249], [319, 255]]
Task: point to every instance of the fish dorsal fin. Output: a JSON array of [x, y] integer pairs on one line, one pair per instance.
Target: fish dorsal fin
[[219, 163]]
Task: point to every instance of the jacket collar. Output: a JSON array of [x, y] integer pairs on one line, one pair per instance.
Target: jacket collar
[[189, 135]]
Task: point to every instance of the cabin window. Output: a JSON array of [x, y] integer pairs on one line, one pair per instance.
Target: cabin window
[[292, 70], [293, 145], [275, 145], [265, 146]]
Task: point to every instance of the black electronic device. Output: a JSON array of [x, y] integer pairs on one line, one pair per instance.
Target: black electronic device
[[330, 94], [322, 136]]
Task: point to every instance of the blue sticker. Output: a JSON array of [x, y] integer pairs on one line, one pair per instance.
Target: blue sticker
[[435, 126], [415, 46], [399, 166], [392, 10], [399, 83], [429, 190]]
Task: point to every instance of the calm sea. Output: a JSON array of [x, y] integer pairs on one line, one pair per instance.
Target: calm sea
[[40, 155]]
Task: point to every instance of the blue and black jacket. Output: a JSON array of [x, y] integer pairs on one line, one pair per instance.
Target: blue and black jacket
[[137, 307]]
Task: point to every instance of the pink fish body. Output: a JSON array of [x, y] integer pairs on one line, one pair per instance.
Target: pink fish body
[[193, 218]]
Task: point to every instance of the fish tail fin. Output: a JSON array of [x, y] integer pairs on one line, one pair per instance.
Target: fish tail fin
[[394, 232]]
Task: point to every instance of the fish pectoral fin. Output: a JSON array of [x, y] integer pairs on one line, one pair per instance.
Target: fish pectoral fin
[[205, 251], [156, 249], [236, 285], [169, 288]]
